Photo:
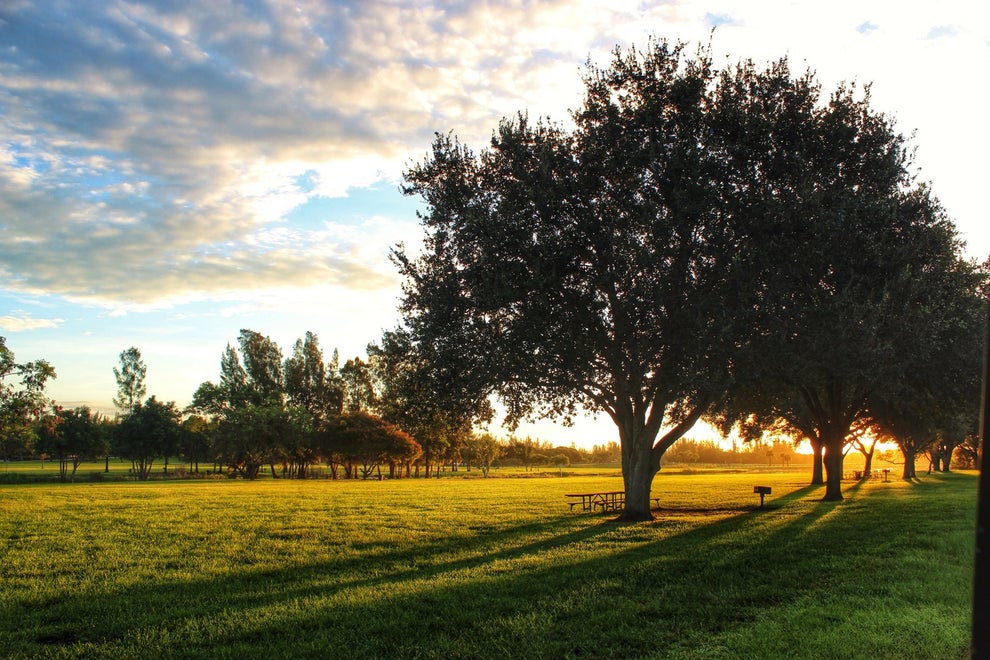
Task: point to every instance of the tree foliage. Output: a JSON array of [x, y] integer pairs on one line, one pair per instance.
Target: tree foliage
[[587, 268], [72, 436], [198, 441], [482, 449], [148, 432], [22, 400], [358, 386], [860, 257], [295, 413], [700, 241], [933, 405], [312, 383], [365, 442], [438, 416], [131, 388]]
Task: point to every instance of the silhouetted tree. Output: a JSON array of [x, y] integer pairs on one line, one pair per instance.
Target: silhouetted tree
[[439, 418], [696, 234], [855, 257], [933, 403], [22, 400], [589, 268], [72, 436], [130, 380], [149, 431], [312, 383]]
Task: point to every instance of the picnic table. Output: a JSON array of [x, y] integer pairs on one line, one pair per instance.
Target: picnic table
[[612, 500]]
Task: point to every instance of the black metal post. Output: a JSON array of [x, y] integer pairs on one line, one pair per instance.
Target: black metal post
[[981, 577]]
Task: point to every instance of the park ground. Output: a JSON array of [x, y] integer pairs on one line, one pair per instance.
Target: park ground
[[498, 567]]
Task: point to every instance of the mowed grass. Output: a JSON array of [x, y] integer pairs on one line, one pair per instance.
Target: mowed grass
[[486, 568]]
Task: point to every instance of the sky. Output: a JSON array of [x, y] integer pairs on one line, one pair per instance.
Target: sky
[[172, 172]]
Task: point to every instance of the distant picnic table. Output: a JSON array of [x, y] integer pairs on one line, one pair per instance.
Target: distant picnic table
[[611, 500]]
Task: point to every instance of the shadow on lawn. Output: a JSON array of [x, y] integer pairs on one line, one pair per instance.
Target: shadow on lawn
[[546, 589]]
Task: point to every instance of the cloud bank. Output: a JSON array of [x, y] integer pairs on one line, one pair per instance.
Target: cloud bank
[[10, 323], [155, 152]]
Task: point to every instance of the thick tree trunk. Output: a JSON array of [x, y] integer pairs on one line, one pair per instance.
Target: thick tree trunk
[[638, 470], [638, 425], [638, 466], [833, 470], [868, 466], [817, 477], [909, 458], [946, 458]]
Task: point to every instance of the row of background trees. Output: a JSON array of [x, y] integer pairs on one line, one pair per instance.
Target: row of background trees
[[265, 412], [316, 415]]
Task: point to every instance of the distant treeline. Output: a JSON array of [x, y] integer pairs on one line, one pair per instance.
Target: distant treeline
[[304, 416]]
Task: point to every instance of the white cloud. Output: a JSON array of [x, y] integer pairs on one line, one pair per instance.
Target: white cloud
[[11, 323], [152, 153]]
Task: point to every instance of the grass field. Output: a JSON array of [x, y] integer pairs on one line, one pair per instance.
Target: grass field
[[486, 568]]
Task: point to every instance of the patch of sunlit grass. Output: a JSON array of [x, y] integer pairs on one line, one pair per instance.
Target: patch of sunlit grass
[[485, 567]]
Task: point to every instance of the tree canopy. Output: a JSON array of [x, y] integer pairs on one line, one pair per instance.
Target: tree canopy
[[22, 400], [693, 234], [149, 431], [71, 436], [131, 388]]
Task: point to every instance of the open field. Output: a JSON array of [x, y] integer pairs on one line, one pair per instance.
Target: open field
[[489, 568], [119, 470]]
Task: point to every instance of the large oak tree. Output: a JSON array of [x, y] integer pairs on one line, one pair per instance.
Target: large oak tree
[[595, 267], [695, 234]]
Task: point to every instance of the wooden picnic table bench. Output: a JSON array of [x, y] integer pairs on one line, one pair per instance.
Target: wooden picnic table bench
[[612, 500]]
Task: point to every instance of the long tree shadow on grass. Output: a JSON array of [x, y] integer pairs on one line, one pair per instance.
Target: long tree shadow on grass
[[118, 614], [630, 594], [380, 579], [546, 589]]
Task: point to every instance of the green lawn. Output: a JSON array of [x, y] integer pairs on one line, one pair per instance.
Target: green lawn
[[486, 568]]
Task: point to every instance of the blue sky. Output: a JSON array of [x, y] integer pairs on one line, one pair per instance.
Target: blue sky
[[174, 171]]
